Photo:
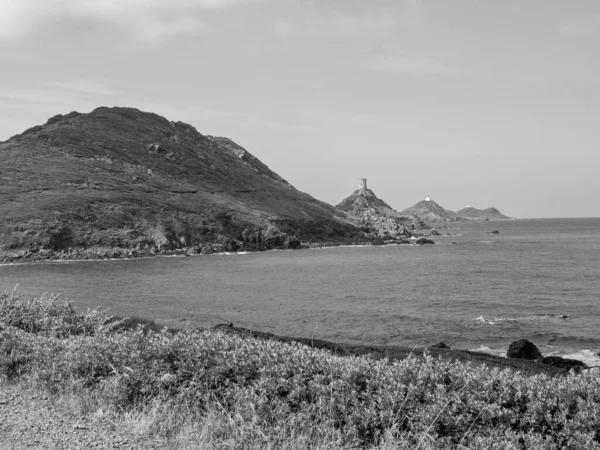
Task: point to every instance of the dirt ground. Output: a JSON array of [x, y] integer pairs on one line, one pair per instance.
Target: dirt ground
[[30, 420]]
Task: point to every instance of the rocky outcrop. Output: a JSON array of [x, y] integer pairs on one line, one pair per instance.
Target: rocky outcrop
[[440, 345], [471, 213], [523, 349], [377, 219], [430, 211], [564, 363], [423, 241], [119, 181]]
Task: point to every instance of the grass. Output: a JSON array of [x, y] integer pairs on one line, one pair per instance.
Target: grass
[[213, 389]]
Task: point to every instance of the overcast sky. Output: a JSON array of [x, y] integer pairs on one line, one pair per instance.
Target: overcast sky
[[480, 102]]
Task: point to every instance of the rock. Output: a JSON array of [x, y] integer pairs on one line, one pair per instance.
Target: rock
[[493, 232], [422, 241], [379, 221], [195, 250], [434, 233], [564, 363], [523, 349], [440, 345]]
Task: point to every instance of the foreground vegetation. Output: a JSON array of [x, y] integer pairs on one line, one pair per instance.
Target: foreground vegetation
[[211, 389]]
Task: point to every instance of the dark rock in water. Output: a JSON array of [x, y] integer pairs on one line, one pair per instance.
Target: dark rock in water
[[564, 363], [493, 232], [434, 233], [523, 349], [440, 345], [423, 240], [403, 241]]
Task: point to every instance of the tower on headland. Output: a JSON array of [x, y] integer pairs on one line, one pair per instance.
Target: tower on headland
[[428, 199], [362, 183]]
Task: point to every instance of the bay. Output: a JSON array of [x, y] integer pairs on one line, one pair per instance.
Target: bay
[[537, 279]]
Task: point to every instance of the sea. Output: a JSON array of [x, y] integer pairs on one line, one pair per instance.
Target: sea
[[537, 279]]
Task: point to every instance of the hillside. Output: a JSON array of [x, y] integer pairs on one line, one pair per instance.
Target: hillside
[[481, 214], [131, 182], [377, 218], [430, 211]]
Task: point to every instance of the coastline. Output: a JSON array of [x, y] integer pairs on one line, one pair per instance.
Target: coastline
[[395, 353], [118, 253]]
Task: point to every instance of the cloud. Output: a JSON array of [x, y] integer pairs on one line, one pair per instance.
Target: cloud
[[144, 20], [335, 23], [586, 27], [410, 63]]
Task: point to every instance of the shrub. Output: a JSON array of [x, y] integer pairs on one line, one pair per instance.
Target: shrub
[[266, 394]]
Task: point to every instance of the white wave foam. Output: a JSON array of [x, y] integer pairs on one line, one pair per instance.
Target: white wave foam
[[586, 356], [494, 321], [231, 253], [491, 351], [486, 242]]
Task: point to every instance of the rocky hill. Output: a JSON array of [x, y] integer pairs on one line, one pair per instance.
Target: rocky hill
[[430, 211], [118, 181], [471, 213], [377, 218]]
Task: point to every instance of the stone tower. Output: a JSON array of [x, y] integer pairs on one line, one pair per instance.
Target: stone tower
[[362, 183]]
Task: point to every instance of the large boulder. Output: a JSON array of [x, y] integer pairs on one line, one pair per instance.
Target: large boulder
[[564, 363], [523, 349]]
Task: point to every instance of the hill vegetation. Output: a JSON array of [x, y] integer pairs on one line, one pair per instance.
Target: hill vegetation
[[121, 182], [211, 389]]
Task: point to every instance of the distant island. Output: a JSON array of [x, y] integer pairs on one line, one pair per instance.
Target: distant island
[[119, 182], [430, 211]]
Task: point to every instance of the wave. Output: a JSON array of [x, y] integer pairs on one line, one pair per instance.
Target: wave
[[587, 356], [532, 318], [495, 320], [71, 261], [230, 253], [491, 351]]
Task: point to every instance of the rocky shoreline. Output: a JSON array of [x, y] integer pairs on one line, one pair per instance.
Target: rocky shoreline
[[520, 357], [107, 253]]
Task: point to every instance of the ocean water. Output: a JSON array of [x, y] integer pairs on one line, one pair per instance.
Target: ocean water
[[538, 279]]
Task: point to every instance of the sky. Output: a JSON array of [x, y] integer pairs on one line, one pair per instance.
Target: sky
[[479, 102]]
